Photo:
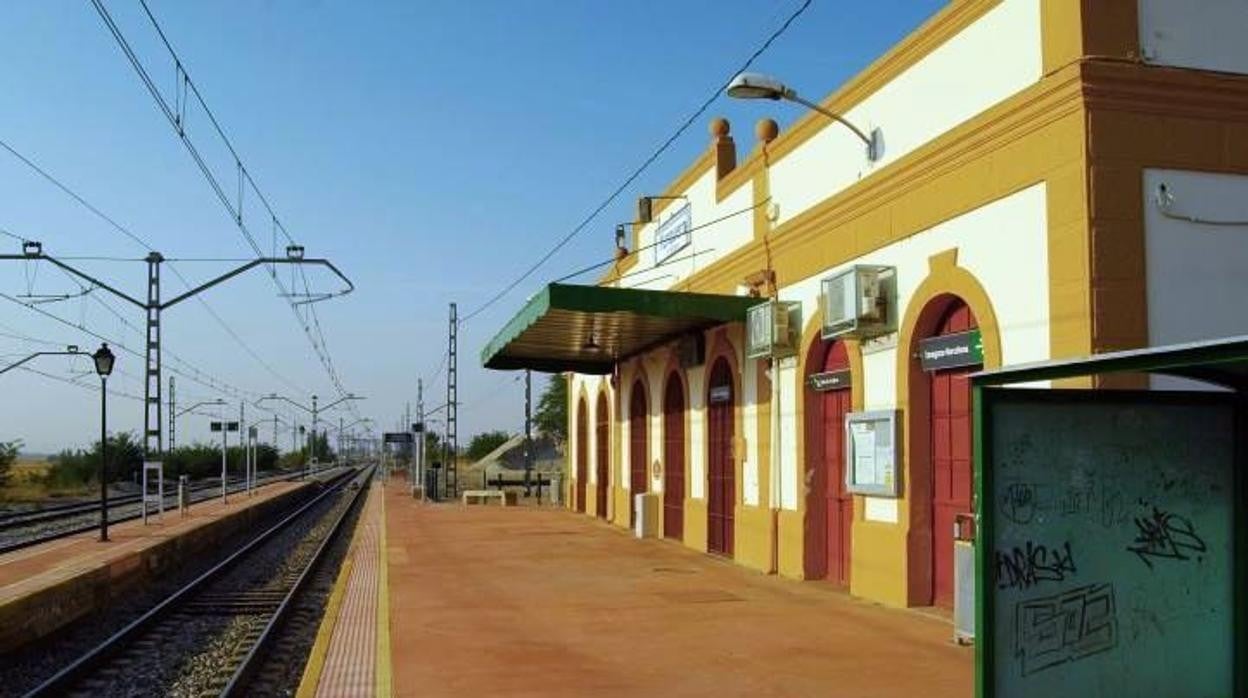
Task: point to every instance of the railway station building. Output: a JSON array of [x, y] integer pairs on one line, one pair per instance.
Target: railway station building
[[778, 361]]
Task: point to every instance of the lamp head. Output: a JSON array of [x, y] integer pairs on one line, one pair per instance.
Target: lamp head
[[757, 86], [104, 360]]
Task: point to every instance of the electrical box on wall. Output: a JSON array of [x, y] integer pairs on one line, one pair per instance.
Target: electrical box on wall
[[860, 302], [772, 329]]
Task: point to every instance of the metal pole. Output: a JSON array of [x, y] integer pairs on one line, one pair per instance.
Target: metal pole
[[152, 445], [103, 459], [528, 432], [224, 472], [420, 436], [173, 420], [452, 405], [312, 444]]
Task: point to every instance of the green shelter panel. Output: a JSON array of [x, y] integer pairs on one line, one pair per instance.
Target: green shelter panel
[[1110, 528]]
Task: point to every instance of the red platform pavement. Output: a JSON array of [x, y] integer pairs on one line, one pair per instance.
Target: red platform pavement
[[523, 601], [47, 586], [351, 654]]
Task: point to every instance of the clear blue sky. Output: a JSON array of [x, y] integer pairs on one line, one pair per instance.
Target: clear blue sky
[[431, 149]]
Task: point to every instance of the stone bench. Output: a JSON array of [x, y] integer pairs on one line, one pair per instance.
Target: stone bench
[[484, 496]]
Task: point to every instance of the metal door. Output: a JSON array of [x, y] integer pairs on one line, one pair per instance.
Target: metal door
[[638, 447], [603, 467], [838, 503], [674, 459], [951, 454], [582, 453], [721, 473]]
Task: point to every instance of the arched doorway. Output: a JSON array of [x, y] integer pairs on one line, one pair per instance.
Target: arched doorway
[[721, 473], [829, 507], [674, 458], [950, 444], [638, 446], [602, 466], [582, 452]]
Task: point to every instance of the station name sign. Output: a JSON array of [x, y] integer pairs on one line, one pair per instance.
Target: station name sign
[[829, 380], [397, 437], [674, 234], [223, 426], [951, 351]]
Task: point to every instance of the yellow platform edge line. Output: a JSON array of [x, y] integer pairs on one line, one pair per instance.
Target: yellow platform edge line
[[320, 647], [384, 676]]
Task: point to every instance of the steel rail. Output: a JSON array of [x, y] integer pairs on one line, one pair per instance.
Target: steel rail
[[62, 681], [251, 663], [86, 528]]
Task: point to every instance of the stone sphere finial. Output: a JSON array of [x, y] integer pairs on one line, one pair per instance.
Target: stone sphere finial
[[766, 130], [719, 127]]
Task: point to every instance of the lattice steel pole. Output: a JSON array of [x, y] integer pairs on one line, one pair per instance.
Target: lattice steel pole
[[452, 406]]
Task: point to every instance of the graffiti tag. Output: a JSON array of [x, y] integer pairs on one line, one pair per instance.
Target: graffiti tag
[[1065, 627], [1027, 566], [1165, 536]]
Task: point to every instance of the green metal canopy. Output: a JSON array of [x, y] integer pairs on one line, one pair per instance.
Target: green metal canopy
[[587, 329]]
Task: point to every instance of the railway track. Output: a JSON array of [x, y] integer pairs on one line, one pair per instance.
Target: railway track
[[24, 529], [222, 634]]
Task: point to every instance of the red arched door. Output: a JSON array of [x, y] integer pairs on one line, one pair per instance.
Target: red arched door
[[674, 459], [721, 475], [950, 452], [602, 467], [638, 447], [582, 452], [838, 504]]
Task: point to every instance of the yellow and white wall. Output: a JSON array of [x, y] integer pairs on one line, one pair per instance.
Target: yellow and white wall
[[1025, 142]]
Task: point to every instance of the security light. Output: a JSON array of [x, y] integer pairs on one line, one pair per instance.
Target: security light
[[757, 86]]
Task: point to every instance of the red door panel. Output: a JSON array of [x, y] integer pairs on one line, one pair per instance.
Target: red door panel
[[674, 459], [638, 448], [952, 475], [582, 453], [838, 504], [722, 493]]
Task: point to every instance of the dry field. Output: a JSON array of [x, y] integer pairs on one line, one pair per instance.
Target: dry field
[[26, 483]]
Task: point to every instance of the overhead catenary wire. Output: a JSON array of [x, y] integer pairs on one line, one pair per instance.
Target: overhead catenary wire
[[628, 181], [175, 115], [134, 237]]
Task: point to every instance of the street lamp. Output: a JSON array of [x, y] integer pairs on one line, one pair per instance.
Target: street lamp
[[104, 359], [756, 86]]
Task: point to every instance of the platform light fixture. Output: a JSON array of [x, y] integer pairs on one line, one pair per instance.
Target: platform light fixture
[[294, 251], [31, 248], [757, 86], [104, 360]]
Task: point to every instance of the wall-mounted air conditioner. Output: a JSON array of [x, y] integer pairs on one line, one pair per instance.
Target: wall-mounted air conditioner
[[860, 302], [772, 329]]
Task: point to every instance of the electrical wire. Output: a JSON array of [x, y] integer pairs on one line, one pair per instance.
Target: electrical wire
[[680, 130], [187, 87], [131, 235]]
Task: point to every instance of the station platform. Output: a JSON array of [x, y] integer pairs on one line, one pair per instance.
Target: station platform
[[532, 601], [47, 586]]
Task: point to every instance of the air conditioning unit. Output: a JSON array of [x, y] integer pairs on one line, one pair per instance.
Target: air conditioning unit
[[772, 329], [860, 302]]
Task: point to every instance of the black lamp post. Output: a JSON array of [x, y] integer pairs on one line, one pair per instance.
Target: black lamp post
[[104, 359]]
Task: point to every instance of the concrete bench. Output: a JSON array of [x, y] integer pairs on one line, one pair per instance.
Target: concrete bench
[[483, 496]]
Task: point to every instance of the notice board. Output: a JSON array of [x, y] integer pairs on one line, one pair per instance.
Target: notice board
[[1108, 564]]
